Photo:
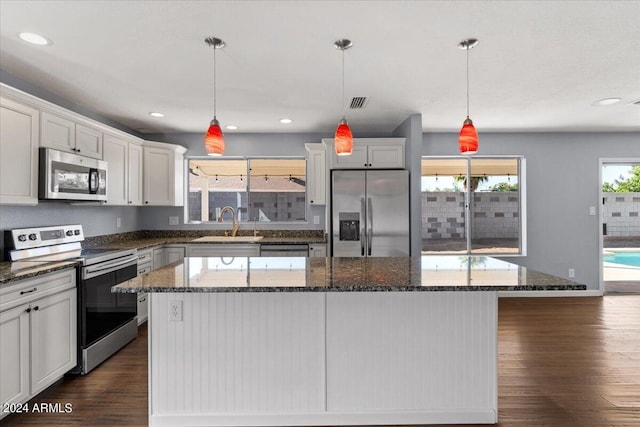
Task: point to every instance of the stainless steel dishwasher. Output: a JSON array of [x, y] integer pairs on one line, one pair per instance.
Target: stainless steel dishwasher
[[284, 250]]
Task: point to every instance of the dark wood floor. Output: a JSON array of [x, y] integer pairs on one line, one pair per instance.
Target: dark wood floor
[[562, 362]]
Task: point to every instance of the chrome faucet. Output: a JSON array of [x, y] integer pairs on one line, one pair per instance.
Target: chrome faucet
[[236, 225]]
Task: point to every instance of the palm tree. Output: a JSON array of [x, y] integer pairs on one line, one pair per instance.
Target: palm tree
[[475, 181]]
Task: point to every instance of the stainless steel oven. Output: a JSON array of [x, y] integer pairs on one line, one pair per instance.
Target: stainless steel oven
[[66, 176], [106, 321]]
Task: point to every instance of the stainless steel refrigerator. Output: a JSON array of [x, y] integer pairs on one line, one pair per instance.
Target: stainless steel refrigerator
[[370, 213]]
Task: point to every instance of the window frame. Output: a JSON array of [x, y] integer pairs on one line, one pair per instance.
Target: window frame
[[468, 194], [247, 159]]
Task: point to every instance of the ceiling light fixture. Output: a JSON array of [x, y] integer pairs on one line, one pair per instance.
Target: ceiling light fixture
[[285, 121], [155, 114], [214, 140], [34, 38], [468, 139], [607, 101], [343, 137], [231, 127]]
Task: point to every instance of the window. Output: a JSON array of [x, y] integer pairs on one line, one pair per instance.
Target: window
[[472, 205], [261, 189]]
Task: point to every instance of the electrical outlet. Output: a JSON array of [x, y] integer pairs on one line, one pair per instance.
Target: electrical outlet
[[175, 311], [592, 210], [572, 273], [173, 220], [118, 222], [316, 219]]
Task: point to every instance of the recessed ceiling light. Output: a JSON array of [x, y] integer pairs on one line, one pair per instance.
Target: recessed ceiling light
[[154, 114], [231, 127], [608, 101], [34, 38], [285, 121]]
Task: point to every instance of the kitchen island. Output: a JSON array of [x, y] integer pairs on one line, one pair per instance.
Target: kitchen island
[[327, 341]]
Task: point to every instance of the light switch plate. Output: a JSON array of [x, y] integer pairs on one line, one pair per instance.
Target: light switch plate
[[316, 219], [173, 220], [118, 222]]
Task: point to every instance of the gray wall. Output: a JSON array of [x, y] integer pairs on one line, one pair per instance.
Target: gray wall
[[411, 129], [96, 220], [560, 232]]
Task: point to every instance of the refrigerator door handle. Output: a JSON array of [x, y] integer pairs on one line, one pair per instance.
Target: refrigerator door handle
[[362, 235], [370, 224]]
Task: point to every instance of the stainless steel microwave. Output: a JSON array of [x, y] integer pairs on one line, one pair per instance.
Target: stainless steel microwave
[[66, 176]]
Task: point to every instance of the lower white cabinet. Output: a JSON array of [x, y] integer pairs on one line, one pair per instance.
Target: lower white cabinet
[[38, 334], [317, 250], [167, 255], [143, 308], [224, 250]]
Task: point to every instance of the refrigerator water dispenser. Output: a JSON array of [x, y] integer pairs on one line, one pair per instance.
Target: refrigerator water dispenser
[[349, 225]]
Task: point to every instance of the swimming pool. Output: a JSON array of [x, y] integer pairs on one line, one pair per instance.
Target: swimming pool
[[626, 258]]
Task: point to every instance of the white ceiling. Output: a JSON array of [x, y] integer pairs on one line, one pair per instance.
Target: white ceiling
[[539, 65]]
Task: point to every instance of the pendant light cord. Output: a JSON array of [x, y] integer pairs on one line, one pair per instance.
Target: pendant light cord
[[344, 108], [467, 81], [214, 80]]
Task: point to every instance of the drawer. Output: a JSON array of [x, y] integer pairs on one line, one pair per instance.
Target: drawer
[[144, 268], [144, 257], [25, 291]]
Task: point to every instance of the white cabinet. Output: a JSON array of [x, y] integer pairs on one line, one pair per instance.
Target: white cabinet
[[38, 334], [163, 174], [88, 141], [370, 153], [316, 173], [145, 261], [167, 255], [224, 250], [19, 124], [134, 174], [124, 177], [53, 338], [115, 153], [63, 133], [143, 308], [317, 250]]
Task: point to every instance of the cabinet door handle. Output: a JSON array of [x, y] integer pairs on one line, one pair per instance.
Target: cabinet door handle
[[29, 291], [28, 310], [146, 203], [78, 150], [36, 308]]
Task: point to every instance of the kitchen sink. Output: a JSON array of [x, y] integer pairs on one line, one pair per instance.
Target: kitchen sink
[[228, 239]]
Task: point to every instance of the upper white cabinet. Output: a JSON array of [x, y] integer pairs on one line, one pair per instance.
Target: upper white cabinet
[[19, 126], [124, 176], [88, 141], [65, 134], [316, 173], [134, 174], [370, 153], [163, 176]]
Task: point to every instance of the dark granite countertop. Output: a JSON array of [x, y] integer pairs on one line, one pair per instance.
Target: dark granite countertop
[[298, 274], [13, 271]]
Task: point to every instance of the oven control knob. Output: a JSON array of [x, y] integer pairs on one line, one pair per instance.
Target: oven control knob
[[69, 233], [22, 237], [76, 232], [33, 236]]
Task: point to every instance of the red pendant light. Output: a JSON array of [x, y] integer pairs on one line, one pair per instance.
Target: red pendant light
[[214, 139], [468, 139], [343, 138]]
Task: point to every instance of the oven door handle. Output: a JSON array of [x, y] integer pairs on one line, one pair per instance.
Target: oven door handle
[[88, 272]]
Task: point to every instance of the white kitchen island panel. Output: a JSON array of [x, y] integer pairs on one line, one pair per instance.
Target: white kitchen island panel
[[433, 353], [236, 353], [323, 358]]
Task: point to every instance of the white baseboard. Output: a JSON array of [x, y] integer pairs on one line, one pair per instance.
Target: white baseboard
[[534, 294], [478, 416]]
